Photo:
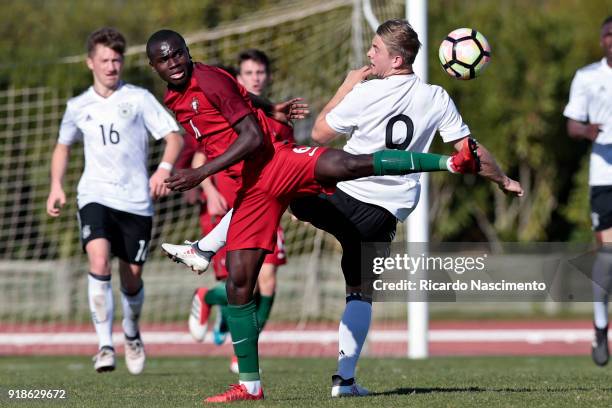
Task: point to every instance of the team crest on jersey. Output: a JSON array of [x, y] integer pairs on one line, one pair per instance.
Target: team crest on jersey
[[125, 110], [86, 231], [195, 105]]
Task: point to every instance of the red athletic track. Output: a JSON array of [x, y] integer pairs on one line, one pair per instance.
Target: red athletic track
[[578, 342]]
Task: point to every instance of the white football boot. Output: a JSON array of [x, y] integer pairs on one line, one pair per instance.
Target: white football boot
[[198, 318], [190, 255], [104, 360], [134, 356], [347, 388]]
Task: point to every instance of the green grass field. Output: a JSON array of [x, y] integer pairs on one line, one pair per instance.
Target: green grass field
[[437, 382]]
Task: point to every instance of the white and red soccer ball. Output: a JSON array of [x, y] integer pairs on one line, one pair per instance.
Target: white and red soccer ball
[[464, 53]]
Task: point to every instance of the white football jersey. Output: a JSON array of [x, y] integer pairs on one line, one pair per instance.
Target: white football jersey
[[115, 138], [398, 112], [590, 101]]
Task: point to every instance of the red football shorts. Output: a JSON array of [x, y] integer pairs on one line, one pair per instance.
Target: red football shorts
[[267, 191], [228, 187]]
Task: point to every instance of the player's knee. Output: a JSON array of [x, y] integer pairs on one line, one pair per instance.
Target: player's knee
[[353, 165], [99, 265], [238, 292]]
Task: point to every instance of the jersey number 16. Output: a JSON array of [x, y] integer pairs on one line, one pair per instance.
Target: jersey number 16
[[113, 135]]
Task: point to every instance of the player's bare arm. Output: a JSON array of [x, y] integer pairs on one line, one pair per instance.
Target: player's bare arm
[[489, 169], [248, 141], [59, 163], [578, 130], [321, 132], [216, 205], [174, 144]]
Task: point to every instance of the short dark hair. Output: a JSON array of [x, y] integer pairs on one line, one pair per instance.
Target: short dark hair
[[228, 68], [255, 55], [606, 21], [159, 36], [400, 39], [108, 37]]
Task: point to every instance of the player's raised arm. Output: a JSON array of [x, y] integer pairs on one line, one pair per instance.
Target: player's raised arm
[[322, 132], [250, 138], [490, 169]]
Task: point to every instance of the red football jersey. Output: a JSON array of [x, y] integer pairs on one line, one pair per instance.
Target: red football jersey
[[212, 103], [281, 132]]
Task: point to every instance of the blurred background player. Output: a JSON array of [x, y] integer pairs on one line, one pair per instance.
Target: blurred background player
[[219, 193], [589, 116], [113, 120]]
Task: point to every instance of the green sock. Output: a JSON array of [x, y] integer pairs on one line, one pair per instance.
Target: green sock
[[223, 311], [264, 306], [397, 162], [216, 295], [242, 321]]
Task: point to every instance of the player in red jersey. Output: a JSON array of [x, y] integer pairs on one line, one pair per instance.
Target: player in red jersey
[[214, 108], [218, 195]]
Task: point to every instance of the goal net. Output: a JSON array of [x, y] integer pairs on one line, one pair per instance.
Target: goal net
[[43, 272]]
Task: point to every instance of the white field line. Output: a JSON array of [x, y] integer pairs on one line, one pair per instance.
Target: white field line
[[315, 337]]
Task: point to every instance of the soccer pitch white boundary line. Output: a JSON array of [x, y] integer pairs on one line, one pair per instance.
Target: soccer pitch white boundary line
[[315, 337]]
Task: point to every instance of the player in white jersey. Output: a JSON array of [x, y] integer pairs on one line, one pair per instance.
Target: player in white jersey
[[113, 120], [589, 116], [395, 111]]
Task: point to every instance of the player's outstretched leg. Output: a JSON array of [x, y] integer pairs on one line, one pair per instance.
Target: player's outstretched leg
[[337, 165], [243, 266], [197, 255]]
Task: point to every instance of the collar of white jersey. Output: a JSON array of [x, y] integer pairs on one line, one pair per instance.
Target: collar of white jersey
[[605, 66], [404, 76], [97, 95]]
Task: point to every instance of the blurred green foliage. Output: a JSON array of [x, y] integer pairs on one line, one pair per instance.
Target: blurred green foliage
[[515, 109]]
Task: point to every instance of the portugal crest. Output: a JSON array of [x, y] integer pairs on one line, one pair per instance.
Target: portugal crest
[[195, 105]]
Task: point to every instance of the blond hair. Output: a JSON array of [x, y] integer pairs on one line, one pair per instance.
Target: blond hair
[[400, 39]]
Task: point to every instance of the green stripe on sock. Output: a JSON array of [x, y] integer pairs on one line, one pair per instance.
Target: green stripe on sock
[[398, 162]]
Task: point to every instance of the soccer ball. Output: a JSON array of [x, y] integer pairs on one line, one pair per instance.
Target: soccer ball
[[464, 53]]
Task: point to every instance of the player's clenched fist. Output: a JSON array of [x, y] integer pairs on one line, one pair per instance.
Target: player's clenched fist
[[184, 179]]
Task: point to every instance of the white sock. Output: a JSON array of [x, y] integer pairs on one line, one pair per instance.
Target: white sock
[[602, 279], [132, 305], [100, 294], [253, 387], [215, 239], [600, 314], [352, 333]]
